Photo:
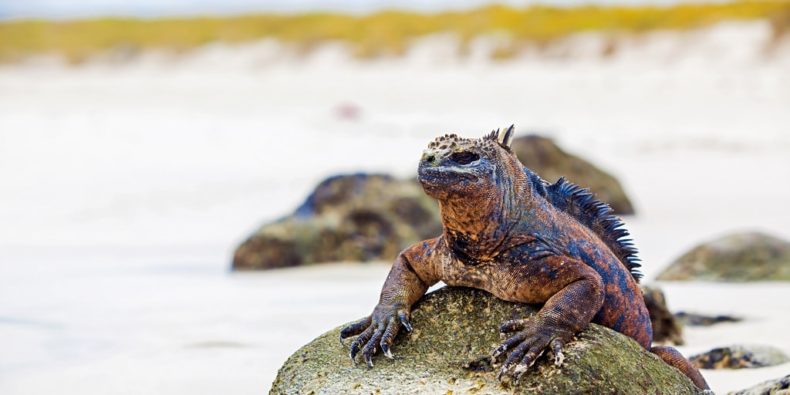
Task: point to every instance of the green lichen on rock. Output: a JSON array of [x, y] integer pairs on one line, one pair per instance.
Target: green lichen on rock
[[551, 162], [736, 257], [454, 330]]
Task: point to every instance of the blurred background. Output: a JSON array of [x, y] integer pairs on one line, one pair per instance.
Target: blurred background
[[169, 224]]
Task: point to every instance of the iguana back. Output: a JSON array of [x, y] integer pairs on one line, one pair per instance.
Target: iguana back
[[596, 215]]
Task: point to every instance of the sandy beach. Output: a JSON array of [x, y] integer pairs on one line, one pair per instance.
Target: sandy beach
[[126, 187]]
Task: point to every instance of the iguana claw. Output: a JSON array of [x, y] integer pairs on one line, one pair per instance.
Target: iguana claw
[[376, 332]]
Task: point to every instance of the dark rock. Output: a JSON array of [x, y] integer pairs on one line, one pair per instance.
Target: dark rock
[[693, 319], [739, 357], [780, 386], [454, 330], [737, 257], [551, 162], [666, 329], [358, 217]]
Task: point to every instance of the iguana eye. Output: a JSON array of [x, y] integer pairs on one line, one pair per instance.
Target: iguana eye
[[464, 157]]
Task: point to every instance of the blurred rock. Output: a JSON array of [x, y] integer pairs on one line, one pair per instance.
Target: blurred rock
[[694, 319], [666, 329], [547, 159], [780, 386], [739, 357], [736, 257], [364, 217], [357, 217], [454, 331]]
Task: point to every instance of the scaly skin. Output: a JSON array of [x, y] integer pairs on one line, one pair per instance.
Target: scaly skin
[[503, 235]]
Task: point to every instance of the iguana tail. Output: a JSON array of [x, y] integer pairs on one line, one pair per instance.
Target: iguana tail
[[675, 359]]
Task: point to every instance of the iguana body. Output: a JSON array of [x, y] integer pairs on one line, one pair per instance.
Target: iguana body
[[508, 232]]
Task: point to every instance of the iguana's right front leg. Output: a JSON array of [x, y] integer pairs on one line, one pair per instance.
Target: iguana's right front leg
[[573, 294], [410, 277]]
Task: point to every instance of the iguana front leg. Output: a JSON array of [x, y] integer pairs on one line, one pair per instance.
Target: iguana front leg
[[410, 277], [573, 294]]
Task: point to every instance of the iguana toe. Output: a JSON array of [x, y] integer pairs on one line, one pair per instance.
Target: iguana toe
[[389, 337], [529, 359], [403, 316], [508, 344], [513, 359], [556, 349], [360, 342], [371, 346], [354, 328]]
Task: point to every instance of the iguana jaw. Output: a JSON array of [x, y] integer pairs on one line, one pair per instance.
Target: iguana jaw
[[445, 175], [441, 181]]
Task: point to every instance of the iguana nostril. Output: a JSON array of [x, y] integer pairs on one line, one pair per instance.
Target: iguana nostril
[[429, 158]]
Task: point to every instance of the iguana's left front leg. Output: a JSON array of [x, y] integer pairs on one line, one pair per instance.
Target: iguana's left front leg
[[573, 294]]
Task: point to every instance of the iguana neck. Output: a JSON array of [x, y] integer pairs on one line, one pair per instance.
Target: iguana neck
[[478, 226]]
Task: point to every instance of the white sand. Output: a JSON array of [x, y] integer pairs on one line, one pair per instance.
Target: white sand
[[125, 187]]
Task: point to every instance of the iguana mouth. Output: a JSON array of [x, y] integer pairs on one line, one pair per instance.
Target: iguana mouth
[[444, 175]]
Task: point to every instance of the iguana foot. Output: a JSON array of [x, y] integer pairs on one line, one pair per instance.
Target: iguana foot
[[530, 341], [375, 332]]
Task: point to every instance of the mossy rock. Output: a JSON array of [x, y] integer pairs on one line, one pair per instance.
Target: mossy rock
[[551, 162], [736, 257], [454, 330], [355, 217]]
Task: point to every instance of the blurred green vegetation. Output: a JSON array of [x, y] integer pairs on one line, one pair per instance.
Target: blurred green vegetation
[[382, 33]]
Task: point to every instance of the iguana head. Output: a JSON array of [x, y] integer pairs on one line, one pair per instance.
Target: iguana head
[[463, 167]]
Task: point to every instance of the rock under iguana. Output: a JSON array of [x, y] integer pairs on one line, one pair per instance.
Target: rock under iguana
[[747, 256], [454, 330], [511, 233]]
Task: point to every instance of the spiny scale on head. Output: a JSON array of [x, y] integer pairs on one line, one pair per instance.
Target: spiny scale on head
[[596, 215], [452, 141], [502, 137], [486, 144]]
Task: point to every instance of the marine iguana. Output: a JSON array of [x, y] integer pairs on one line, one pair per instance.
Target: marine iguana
[[509, 232]]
